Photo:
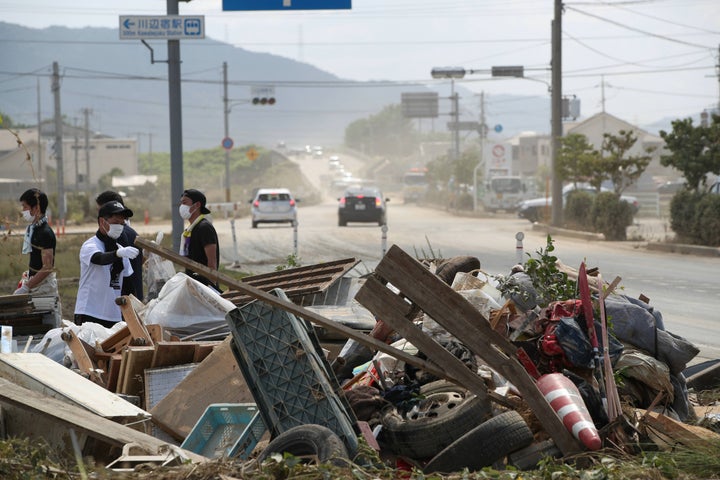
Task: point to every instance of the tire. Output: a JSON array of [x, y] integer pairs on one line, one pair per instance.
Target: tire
[[342, 222], [483, 445], [445, 414], [254, 224], [314, 442], [527, 458], [447, 270]]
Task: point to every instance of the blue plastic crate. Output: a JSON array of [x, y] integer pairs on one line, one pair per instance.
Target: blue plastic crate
[[226, 430]]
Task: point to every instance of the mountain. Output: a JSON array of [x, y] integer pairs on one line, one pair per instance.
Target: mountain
[[128, 95]]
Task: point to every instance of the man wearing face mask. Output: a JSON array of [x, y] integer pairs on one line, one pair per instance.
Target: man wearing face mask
[[39, 242], [199, 241], [104, 264], [133, 285]]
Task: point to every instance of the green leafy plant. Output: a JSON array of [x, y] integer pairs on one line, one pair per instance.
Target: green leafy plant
[[291, 261], [550, 283]]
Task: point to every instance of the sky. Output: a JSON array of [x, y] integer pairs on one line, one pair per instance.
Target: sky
[[641, 60]]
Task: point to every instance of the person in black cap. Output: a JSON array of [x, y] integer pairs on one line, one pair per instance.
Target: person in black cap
[[133, 285], [104, 263], [199, 241]]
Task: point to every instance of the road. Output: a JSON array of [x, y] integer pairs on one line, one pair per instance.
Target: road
[[684, 288]]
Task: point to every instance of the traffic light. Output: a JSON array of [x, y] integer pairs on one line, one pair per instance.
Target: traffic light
[[263, 101]]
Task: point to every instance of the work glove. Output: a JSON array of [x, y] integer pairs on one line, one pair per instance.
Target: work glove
[[127, 252], [22, 290]]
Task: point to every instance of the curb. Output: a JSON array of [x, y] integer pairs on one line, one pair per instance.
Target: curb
[[684, 249], [568, 233]]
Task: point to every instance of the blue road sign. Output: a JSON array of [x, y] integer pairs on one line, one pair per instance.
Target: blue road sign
[[498, 128], [227, 143], [162, 27], [231, 5]]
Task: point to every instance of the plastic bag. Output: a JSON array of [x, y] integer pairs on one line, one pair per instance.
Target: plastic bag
[[156, 272]]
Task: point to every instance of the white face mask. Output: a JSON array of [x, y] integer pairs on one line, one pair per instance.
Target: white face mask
[[28, 216], [114, 231], [184, 211]]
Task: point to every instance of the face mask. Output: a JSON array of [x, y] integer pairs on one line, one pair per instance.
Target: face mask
[[114, 231], [184, 211], [28, 216]]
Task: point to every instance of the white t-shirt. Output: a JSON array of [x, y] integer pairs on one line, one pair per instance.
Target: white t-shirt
[[96, 296]]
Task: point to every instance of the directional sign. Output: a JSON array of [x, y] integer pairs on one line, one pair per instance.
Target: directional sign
[[163, 27], [231, 5]]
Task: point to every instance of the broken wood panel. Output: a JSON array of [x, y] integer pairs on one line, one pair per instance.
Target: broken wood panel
[[670, 432], [115, 342], [203, 349], [72, 416], [449, 309], [136, 360], [288, 306], [397, 313], [173, 353], [37, 372], [217, 379], [138, 332]]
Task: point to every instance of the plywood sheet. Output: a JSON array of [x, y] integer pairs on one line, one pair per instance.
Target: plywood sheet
[[35, 371]]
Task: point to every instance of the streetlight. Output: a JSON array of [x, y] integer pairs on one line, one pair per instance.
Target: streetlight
[[452, 73]]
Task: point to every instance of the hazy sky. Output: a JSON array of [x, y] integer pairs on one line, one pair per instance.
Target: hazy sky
[[656, 58]]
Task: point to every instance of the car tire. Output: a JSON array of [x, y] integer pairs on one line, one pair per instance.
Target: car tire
[[446, 413], [254, 224], [342, 222], [484, 444], [448, 269], [311, 440]]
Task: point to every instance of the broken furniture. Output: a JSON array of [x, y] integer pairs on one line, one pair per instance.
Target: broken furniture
[[27, 314]]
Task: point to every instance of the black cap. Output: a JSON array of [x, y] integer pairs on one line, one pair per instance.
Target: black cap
[[197, 196], [113, 208]]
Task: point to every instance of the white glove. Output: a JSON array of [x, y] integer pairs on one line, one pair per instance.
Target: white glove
[[127, 252], [22, 290]]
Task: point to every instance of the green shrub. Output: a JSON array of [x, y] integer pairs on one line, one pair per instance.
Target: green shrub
[[611, 216], [683, 207], [578, 209], [707, 220]]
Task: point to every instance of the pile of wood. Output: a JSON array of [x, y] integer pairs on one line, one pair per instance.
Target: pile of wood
[[19, 312]]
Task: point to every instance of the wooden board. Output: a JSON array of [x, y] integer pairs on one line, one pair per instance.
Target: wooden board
[[136, 360], [173, 353], [203, 349], [71, 416], [217, 379], [667, 432], [37, 372]]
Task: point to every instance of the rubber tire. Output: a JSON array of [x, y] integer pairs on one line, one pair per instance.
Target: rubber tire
[[483, 445], [528, 458], [254, 224], [424, 437], [309, 440], [447, 270], [342, 222]]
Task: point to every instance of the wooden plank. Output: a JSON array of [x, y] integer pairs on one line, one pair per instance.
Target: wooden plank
[[86, 422], [270, 299], [217, 379], [137, 360], [115, 342], [37, 372], [173, 353], [203, 349], [84, 356], [138, 332], [450, 309], [675, 432]]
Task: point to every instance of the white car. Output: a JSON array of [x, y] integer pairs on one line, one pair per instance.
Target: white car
[[273, 205]]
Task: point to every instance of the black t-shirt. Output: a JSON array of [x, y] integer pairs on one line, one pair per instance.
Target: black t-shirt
[[42, 238], [134, 283], [202, 234]]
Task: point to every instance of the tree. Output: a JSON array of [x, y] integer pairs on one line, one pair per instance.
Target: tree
[[623, 170], [695, 150], [576, 159], [385, 133]]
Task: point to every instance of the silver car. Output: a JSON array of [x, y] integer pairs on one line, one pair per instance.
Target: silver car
[[273, 205]]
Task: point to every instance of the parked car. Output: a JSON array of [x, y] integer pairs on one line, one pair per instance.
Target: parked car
[[273, 205], [535, 209], [362, 204]]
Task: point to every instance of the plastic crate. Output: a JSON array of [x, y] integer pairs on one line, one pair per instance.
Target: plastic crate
[[226, 430], [290, 378]]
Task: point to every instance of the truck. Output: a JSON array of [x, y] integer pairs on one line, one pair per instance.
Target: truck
[[415, 184], [503, 192]]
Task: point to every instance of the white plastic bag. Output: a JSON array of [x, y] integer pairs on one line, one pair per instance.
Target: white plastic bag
[[156, 272]]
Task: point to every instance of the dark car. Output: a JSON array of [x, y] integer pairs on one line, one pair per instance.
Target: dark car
[[362, 204]]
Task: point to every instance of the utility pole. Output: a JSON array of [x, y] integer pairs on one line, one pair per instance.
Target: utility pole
[[481, 162], [456, 120], [87, 112], [226, 110], [75, 148], [39, 137], [58, 141], [556, 107], [176, 149]]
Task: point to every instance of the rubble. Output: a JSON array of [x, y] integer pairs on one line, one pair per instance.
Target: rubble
[[461, 370]]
